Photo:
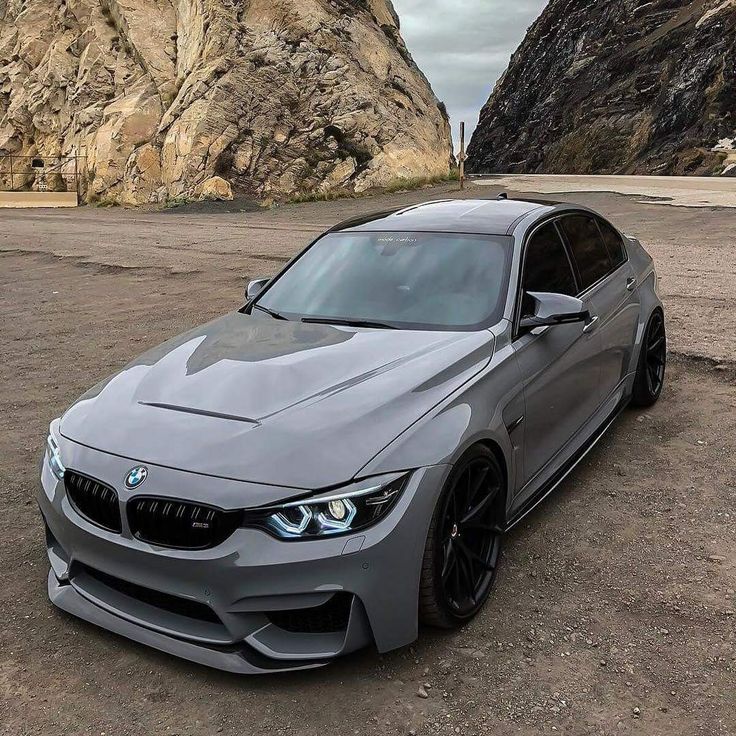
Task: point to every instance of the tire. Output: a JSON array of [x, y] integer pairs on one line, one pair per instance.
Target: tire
[[468, 525], [650, 372]]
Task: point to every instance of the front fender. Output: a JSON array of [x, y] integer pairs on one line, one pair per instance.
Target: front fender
[[479, 412]]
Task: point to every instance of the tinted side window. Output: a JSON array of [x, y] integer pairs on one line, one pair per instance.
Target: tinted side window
[[614, 243], [590, 253], [546, 267]]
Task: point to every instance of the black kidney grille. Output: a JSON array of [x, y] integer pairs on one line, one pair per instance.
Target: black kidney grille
[[93, 500], [180, 524]]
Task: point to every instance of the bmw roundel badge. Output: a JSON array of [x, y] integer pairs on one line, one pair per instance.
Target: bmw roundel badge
[[136, 477]]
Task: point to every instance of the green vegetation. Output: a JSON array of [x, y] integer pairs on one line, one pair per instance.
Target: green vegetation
[[175, 202], [97, 201], [401, 184], [418, 182]]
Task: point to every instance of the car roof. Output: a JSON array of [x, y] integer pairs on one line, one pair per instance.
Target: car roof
[[476, 216]]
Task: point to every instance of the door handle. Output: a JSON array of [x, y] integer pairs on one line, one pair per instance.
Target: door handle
[[591, 324], [631, 284]]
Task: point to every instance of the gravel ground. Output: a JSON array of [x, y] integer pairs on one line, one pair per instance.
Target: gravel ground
[[614, 610]]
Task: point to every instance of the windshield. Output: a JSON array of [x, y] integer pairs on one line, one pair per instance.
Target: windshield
[[430, 281]]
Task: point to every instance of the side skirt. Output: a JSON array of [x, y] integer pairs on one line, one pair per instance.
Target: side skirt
[[547, 488]]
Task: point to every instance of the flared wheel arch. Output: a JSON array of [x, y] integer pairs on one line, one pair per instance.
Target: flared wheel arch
[[428, 592]]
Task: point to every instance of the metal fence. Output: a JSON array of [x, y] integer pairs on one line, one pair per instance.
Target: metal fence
[[42, 173]]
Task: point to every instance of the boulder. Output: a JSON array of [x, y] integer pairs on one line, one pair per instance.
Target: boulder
[[215, 188], [165, 97]]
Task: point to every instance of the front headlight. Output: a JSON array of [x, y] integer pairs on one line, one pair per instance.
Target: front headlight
[[340, 511], [53, 456]]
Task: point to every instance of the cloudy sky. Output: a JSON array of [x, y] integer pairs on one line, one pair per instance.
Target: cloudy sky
[[463, 46]]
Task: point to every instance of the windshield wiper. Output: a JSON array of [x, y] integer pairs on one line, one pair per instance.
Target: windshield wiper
[[348, 322], [275, 315]]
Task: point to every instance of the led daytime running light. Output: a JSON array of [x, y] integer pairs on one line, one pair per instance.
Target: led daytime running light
[[338, 512], [54, 458]]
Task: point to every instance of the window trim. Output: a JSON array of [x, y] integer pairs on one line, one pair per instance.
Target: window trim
[[611, 268], [582, 293], [620, 237], [585, 292], [553, 220]]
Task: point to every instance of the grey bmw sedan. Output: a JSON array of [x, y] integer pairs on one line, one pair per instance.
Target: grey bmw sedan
[[338, 461]]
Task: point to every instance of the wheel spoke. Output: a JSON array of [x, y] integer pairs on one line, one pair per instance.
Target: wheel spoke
[[457, 573], [474, 556], [450, 560], [656, 343], [466, 567], [476, 484], [480, 526], [476, 511]]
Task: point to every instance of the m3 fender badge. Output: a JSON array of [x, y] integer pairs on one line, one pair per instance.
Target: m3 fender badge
[[136, 477]]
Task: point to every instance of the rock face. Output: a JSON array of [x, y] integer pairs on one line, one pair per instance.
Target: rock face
[[188, 98], [616, 86]]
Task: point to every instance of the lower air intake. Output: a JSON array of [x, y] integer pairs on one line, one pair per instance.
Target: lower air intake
[[330, 616], [163, 601], [180, 524]]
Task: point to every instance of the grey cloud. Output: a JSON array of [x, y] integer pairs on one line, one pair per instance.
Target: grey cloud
[[464, 46]]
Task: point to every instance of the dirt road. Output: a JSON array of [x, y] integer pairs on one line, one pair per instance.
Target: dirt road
[[614, 612]]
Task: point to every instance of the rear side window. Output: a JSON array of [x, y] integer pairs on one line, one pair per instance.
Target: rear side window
[[546, 267], [589, 251], [614, 243]]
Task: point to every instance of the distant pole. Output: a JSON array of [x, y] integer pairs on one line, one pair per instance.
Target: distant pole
[[461, 157]]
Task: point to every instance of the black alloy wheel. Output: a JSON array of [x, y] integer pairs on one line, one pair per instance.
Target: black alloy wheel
[[652, 363], [464, 541]]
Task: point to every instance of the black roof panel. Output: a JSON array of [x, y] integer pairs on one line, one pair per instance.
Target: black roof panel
[[483, 216]]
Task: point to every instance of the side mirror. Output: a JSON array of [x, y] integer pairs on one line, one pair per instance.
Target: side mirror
[[254, 288], [554, 309]]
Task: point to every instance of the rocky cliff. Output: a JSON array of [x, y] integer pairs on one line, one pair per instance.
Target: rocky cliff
[[187, 98], [616, 86]]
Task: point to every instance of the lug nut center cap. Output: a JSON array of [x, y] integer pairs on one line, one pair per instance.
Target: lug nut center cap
[[455, 531]]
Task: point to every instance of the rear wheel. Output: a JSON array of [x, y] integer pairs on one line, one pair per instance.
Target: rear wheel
[[464, 541], [650, 373]]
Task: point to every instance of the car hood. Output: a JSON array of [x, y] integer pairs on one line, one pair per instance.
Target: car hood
[[266, 401]]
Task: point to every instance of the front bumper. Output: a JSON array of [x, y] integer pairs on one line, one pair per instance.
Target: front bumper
[[253, 603]]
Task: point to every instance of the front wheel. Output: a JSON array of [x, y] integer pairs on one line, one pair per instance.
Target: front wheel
[[464, 541], [650, 372]]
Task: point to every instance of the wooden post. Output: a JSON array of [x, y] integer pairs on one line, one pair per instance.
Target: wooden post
[[461, 156]]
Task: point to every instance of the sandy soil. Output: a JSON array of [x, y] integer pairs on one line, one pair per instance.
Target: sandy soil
[[678, 191], [693, 246], [614, 612]]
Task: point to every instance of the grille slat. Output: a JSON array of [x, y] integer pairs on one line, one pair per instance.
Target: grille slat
[[180, 524], [93, 500]]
